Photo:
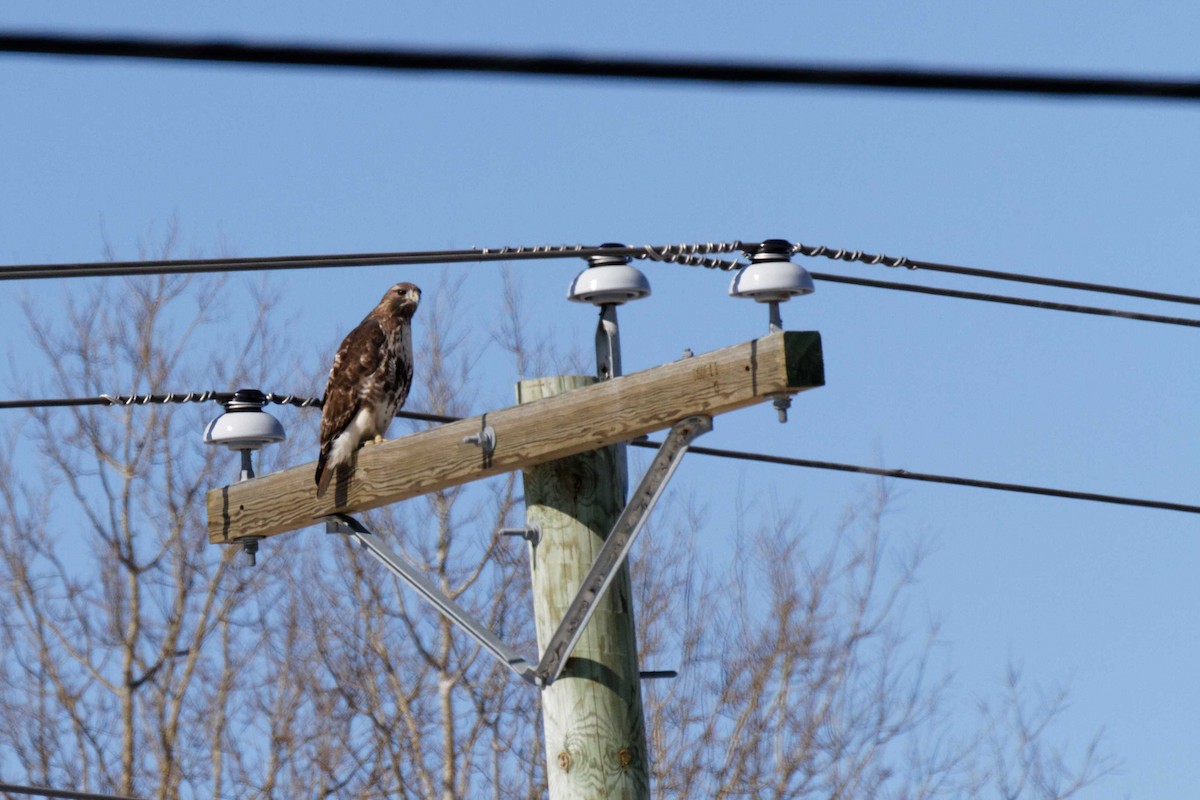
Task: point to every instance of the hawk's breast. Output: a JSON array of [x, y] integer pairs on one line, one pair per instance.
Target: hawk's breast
[[389, 388]]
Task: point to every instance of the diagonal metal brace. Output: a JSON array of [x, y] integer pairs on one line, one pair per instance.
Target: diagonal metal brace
[[344, 523], [616, 547], [612, 554]]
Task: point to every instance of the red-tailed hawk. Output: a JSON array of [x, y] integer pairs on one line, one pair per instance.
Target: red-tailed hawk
[[369, 382]]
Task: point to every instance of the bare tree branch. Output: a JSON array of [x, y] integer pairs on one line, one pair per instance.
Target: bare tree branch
[[141, 660]]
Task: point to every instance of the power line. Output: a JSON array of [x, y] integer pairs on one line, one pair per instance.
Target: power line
[[900, 474], [190, 397], [195, 265], [1010, 300], [149, 399], [65, 794], [821, 251], [688, 71], [904, 474], [697, 254], [691, 254]]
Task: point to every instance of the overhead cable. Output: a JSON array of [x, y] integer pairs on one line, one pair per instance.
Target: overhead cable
[[152, 399], [602, 67], [821, 251], [900, 474], [903, 474], [189, 397], [64, 794], [1009, 300], [696, 254], [194, 265]]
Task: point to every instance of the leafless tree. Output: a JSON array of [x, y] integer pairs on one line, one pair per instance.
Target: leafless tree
[[140, 660], [802, 678], [117, 605], [1017, 759]]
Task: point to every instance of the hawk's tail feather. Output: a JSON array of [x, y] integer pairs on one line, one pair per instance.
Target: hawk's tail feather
[[323, 475]]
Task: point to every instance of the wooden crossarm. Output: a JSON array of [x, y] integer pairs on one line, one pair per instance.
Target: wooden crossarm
[[525, 435]]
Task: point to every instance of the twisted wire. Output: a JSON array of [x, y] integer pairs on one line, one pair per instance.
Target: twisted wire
[[838, 254], [537, 250], [293, 400], [169, 397], [126, 400], [695, 255]]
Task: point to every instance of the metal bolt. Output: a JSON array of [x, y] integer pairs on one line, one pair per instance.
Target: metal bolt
[[250, 548], [782, 404], [530, 533], [485, 439]]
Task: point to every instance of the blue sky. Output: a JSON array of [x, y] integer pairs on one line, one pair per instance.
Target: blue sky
[[267, 161]]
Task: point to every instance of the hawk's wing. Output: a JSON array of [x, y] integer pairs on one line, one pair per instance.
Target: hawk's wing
[[350, 380]]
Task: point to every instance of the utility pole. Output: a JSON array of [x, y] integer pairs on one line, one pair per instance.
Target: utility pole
[[595, 733], [595, 736], [565, 434]]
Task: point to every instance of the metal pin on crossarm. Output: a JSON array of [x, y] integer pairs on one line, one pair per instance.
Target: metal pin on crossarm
[[245, 427], [772, 277], [608, 281]]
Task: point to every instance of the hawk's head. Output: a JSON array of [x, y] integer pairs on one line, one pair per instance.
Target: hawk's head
[[400, 302]]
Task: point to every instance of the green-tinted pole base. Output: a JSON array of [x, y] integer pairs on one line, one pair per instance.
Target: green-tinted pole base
[[595, 733]]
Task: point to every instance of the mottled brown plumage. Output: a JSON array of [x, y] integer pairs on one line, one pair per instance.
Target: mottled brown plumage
[[368, 383]]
